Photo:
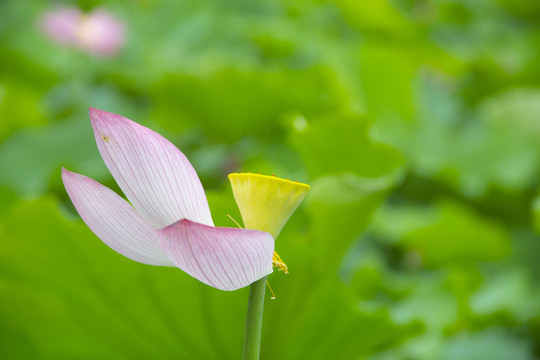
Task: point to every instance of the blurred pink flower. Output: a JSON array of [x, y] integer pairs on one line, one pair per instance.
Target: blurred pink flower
[[98, 32], [61, 25], [168, 222]]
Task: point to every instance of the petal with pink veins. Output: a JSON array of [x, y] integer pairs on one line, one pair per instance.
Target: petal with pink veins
[[114, 220], [154, 175], [225, 258]]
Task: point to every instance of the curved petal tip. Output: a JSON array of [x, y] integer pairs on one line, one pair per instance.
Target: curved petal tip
[[153, 174], [224, 258], [114, 220], [102, 115]]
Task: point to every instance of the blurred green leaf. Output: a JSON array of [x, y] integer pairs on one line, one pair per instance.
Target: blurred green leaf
[[337, 144], [447, 233], [232, 103], [489, 344], [35, 156]]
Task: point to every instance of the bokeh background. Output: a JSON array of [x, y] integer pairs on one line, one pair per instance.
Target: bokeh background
[[416, 122]]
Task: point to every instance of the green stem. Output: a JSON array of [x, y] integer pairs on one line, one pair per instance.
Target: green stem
[[252, 337]]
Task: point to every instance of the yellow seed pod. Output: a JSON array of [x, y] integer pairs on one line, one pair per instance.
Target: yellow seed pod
[[266, 202]]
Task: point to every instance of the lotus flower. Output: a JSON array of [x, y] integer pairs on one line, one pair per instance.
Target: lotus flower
[[98, 32], [168, 222]]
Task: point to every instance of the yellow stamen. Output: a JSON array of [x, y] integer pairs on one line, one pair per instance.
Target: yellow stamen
[[279, 264], [236, 222], [276, 260], [272, 291]]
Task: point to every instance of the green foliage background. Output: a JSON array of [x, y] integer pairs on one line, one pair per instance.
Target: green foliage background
[[416, 122]]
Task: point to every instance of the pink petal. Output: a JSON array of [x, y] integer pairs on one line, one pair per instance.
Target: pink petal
[[101, 33], [114, 220], [61, 24], [225, 258], [155, 176]]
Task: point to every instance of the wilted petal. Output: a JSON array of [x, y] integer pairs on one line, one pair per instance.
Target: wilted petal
[[155, 176], [225, 258], [114, 220]]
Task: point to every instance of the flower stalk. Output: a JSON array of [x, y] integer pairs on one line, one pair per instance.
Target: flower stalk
[[265, 203], [252, 337]]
